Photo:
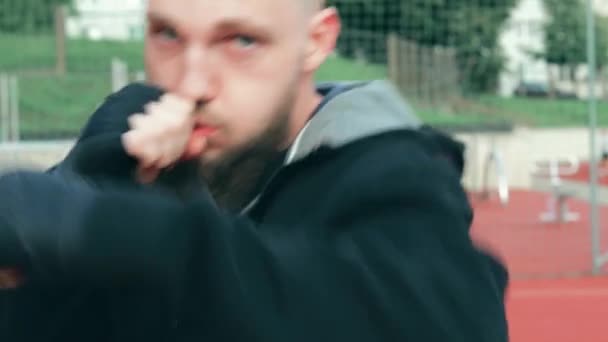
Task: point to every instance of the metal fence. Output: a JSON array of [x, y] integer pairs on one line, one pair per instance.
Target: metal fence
[[510, 78]]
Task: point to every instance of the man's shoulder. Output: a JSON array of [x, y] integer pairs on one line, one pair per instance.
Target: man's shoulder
[[409, 150], [398, 165]]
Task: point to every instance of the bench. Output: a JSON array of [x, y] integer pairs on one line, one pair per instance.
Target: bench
[[557, 210]]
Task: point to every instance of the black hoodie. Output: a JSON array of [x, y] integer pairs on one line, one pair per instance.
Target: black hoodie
[[361, 235]]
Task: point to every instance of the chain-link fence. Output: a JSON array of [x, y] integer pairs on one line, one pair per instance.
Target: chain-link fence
[[508, 77], [67, 59]]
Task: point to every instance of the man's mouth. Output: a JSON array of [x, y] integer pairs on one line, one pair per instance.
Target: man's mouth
[[198, 140], [203, 130]]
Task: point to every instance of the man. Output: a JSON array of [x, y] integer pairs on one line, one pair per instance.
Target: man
[[318, 214]]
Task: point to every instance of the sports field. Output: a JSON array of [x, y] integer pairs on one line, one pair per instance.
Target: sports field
[[553, 297]]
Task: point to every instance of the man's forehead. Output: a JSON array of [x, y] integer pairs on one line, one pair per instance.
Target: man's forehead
[[209, 10]]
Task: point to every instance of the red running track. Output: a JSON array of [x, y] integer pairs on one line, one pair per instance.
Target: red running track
[[558, 310], [530, 247], [550, 310]]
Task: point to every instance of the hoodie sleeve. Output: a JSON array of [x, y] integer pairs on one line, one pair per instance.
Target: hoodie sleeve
[[394, 262], [98, 156], [97, 149]]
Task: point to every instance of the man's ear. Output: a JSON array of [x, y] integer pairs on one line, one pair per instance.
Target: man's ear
[[323, 34]]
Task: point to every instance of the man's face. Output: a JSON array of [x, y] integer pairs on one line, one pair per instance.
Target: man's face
[[241, 58]]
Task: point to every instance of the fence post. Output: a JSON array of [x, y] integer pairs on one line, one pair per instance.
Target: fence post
[[405, 68], [437, 80], [452, 87], [14, 108], [426, 78], [4, 109], [120, 74], [594, 216], [60, 40], [394, 57], [415, 69], [140, 76]]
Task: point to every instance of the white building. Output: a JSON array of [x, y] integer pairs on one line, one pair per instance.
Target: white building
[[523, 35], [601, 7], [107, 19]]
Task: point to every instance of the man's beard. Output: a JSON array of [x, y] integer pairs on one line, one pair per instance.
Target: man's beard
[[234, 178]]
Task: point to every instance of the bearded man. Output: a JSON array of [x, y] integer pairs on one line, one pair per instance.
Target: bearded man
[[230, 198]]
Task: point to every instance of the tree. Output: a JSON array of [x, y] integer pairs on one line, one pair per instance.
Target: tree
[[565, 34], [602, 53], [28, 16], [566, 37], [476, 27], [470, 26]]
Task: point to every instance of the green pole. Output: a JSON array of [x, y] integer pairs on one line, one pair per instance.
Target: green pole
[[593, 160]]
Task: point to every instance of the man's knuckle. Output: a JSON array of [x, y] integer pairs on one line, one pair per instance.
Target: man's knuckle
[[151, 107]]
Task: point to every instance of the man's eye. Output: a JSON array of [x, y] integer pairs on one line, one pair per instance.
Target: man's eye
[[167, 33], [244, 41]]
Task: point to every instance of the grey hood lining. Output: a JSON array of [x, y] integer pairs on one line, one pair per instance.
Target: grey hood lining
[[367, 109]]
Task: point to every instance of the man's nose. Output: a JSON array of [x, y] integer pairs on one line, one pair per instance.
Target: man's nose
[[198, 81]]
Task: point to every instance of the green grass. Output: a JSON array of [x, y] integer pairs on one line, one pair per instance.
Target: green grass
[[54, 106], [545, 112], [59, 105], [27, 53], [496, 111], [336, 68], [444, 118]]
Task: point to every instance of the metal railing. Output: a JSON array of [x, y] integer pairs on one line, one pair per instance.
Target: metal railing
[[495, 161], [557, 204]]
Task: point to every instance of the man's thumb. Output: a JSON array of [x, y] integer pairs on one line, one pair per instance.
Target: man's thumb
[[147, 175]]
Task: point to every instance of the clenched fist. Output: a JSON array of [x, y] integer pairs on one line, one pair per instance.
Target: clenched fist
[[163, 135], [10, 278]]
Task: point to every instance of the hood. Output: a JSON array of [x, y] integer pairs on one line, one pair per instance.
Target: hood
[[353, 111]]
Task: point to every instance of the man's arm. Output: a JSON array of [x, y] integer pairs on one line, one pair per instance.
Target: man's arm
[[98, 157], [395, 262], [90, 156]]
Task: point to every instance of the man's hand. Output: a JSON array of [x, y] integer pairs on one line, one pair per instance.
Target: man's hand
[[162, 136], [10, 279]]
